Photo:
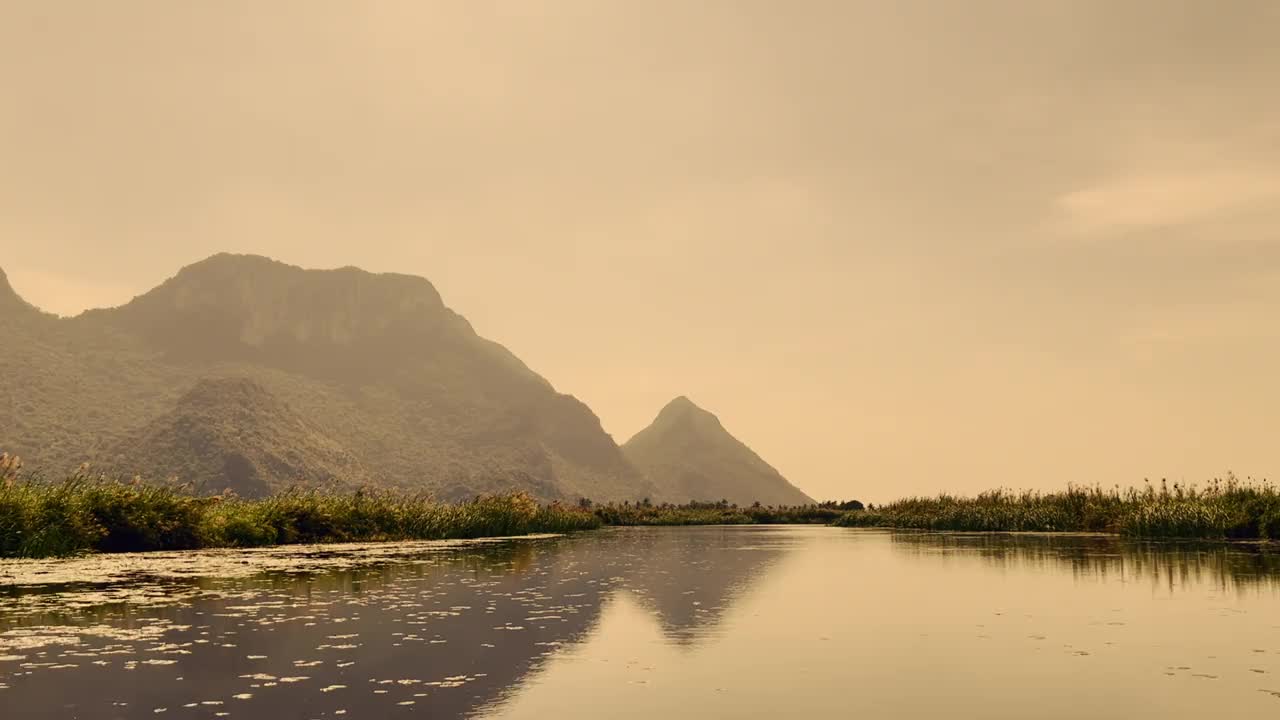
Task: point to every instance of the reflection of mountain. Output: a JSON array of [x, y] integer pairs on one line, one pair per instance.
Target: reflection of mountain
[[701, 573], [1168, 563], [450, 632]]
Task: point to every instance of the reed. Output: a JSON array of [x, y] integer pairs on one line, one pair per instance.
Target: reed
[[93, 514], [88, 513], [1226, 508]]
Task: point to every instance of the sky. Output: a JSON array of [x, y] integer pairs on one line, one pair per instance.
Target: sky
[[898, 247]]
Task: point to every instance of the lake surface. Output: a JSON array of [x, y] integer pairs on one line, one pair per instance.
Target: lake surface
[[755, 622]]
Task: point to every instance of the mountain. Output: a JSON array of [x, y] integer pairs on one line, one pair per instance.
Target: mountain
[[232, 433], [11, 304], [689, 455], [347, 374]]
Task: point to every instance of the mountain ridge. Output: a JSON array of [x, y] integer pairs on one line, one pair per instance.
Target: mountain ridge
[[378, 360], [10, 300]]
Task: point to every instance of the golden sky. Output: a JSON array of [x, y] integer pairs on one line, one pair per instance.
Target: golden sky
[[899, 247]]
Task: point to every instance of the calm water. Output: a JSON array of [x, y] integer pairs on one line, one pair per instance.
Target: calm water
[[765, 622]]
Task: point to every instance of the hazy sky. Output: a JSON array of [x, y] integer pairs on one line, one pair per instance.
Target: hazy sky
[[898, 247]]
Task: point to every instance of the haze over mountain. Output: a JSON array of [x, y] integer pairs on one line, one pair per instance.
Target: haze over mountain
[[689, 455], [233, 433], [971, 243], [244, 372]]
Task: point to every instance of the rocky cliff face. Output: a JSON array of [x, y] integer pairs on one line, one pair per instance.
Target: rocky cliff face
[[375, 362], [687, 453]]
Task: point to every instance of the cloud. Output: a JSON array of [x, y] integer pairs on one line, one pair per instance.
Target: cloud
[[1208, 324], [1162, 199]]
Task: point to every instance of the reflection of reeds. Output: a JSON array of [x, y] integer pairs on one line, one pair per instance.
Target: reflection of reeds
[[1224, 509], [1172, 563], [86, 513]]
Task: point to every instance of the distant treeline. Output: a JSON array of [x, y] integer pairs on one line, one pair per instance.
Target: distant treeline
[[1226, 508], [717, 513]]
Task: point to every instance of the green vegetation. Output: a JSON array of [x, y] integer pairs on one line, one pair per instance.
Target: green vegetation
[[1225, 509], [92, 514], [87, 513], [718, 513]]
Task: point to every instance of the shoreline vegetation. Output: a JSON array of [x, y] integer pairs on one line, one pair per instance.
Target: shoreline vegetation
[[93, 512], [97, 514], [716, 513], [1226, 509], [82, 514]]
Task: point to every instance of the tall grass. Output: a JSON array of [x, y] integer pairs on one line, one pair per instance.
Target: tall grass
[[92, 514], [721, 513], [86, 513], [1226, 508]]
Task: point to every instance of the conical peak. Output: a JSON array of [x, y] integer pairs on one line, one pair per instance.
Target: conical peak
[[681, 404], [690, 455], [683, 411]]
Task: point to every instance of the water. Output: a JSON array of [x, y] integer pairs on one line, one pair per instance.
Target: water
[[743, 622]]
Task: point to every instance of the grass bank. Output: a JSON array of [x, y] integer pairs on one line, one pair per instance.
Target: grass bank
[[79, 515], [1224, 509], [88, 513], [85, 514], [93, 514]]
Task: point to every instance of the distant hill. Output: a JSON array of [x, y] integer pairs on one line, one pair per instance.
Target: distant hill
[[272, 372], [689, 455], [231, 433]]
